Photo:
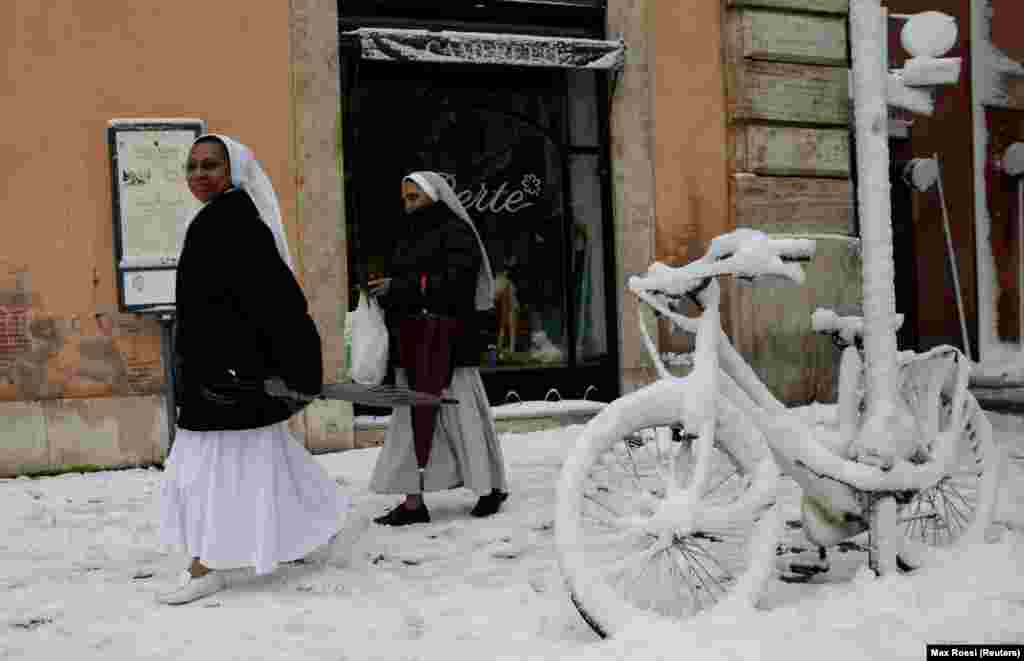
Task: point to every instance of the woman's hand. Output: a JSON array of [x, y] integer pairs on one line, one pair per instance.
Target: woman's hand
[[378, 286]]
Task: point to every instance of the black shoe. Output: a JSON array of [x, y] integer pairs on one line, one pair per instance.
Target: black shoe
[[403, 516], [905, 566], [489, 504]]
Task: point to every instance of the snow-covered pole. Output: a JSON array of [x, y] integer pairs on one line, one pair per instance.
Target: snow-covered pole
[[870, 73], [954, 269], [887, 424]]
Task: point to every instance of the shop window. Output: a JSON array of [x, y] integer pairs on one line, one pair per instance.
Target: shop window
[[523, 151]]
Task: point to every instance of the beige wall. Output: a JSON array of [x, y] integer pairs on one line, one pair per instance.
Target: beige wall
[[690, 155], [69, 68], [669, 149], [690, 150], [270, 78], [72, 67], [317, 155], [632, 180]]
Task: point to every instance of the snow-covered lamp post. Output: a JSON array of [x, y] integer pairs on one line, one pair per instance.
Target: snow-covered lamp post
[[886, 423], [926, 36], [870, 72]]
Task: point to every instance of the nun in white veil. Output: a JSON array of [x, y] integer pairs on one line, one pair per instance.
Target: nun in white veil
[[239, 491], [431, 282]]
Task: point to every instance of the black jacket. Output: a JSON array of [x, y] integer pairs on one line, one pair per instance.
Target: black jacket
[[240, 310], [438, 244]]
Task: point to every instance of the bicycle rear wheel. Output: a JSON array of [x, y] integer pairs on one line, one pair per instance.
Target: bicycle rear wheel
[[959, 506], [626, 547]]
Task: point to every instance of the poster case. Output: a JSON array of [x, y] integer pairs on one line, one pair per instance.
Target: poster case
[[151, 206]]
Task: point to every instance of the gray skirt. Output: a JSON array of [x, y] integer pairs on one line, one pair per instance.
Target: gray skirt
[[465, 451]]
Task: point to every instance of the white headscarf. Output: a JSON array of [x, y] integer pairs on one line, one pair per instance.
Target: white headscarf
[[435, 186], [247, 175]]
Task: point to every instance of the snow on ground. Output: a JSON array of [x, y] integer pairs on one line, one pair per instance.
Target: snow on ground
[[79, 566]]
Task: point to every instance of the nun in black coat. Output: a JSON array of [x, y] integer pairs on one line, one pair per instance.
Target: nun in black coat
[[239, 490]]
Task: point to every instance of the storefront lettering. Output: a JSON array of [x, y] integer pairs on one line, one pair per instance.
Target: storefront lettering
[[503, 199], [487, 51]]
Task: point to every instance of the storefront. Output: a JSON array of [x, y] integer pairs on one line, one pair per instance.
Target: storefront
[[515, 116]]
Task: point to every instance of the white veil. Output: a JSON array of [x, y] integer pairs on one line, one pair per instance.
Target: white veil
[[247, 174], [434, 185]]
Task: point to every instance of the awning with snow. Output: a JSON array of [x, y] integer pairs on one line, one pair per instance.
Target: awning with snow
[[398, 45]]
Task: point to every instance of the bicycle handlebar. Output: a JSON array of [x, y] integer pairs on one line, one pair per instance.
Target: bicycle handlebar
[[744, 253]]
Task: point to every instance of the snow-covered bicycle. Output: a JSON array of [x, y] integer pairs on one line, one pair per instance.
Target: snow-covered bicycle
[[668, 502]]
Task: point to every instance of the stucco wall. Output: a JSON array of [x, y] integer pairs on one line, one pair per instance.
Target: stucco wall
[[69, 68], [690, 149], [632, 180], [316, 120]]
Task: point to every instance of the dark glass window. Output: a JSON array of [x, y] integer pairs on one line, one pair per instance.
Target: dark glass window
[[523, 150]]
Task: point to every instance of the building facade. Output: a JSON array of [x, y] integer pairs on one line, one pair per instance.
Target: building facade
[[81, 382], [587, 138]]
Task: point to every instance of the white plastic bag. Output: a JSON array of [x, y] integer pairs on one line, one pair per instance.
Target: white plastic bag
[[369, 343]]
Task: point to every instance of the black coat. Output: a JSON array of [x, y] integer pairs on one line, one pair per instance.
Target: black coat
[[240, 309], [437, 243]]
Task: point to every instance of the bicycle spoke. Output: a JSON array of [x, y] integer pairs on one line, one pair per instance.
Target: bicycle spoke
[[658, 451], [699, 557], [636, 471], [686, 575], [612, 521], [734, 473], [956, 514], [625, 505], [623, 564], [697, 574], [725, 573], [690, 577], [938, 522], [953, 499], [915, 521], [947, 487], [665, 462], [946, 522], [667, 584]]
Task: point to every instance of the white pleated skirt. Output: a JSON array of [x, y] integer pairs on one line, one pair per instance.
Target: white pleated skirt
[[465, 451], [248, 498]]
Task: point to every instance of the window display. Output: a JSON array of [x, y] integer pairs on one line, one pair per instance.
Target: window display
[[522, 151]]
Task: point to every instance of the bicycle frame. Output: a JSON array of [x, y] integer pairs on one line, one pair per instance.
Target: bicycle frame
[[794, 445]]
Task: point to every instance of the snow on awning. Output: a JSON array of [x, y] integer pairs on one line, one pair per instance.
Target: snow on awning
[[398, 45]]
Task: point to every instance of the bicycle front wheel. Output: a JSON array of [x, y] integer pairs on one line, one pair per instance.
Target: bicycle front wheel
[[626, 548]]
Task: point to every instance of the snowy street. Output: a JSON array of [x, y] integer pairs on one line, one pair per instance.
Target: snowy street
[[79, 567]]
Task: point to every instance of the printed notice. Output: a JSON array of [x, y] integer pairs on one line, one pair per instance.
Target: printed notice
[[155, 202], [993, 651]]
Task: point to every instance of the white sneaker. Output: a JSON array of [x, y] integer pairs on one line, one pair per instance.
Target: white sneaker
[[341, 547], [193, 588]]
